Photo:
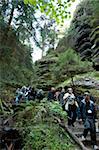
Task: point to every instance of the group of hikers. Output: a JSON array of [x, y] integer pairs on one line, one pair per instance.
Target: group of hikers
[[81, 108], [77, 107], [28, 93]]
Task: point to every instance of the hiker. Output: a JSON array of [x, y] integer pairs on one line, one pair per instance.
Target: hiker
[[91, 97], [22, 94], [69, 92], [40, 94], [60, 97], [51, 94], [57, 93], [24, 89], [79, 98], [88, 115], [31, 94], [19, 94], [71, 106]]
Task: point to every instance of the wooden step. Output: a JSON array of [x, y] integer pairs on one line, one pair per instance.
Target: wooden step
[[80, 133], [88, 138]]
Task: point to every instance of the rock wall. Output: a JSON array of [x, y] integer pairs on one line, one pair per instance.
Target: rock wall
[[95, 48], [44, 74]]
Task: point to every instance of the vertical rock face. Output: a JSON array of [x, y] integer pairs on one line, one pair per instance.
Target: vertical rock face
[[83, 33], [95, 48], [82, 42], [86, 30], [82, 29]]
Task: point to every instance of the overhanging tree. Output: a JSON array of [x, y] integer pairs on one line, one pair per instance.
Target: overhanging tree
[[56, 9]]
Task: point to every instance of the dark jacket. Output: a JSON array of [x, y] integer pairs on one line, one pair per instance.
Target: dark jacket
[[60, 97], [51, 96], [84, 110]]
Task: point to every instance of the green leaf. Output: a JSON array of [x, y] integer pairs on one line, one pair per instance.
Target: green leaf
[[57, 20], [69, 4], [68, 0], [48, 11], [50, 8], [26, 1], [66, 16], [59, 1], [32, 2]]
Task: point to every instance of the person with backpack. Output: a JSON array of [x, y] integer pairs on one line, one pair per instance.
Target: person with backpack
[[71, 106], [31, 93], [87, 115], [19, 94], [51, 94], [60, 97], [40, 94]]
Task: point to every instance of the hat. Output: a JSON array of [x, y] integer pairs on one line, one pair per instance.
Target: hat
[[86, 93], [70, 89]]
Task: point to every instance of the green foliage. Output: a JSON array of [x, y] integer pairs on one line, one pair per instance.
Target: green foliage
[[70, 58], [55, 9], [27, 23], [95, 16], [23, 22], [16, 67], [57, 109], [40, 129], [70, 64]]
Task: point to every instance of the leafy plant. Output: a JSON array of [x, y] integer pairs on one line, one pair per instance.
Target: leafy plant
[[70, 64], [39, 128]]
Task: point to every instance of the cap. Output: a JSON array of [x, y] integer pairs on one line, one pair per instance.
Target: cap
[[86, 93]]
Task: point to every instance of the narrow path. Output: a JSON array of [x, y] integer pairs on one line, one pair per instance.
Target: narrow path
[[78, 130], [76, 133]]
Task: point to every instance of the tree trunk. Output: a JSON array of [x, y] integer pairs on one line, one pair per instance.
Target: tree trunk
[[42, 50], [9, 23], [42, 54], [11, 16], [72, 80]]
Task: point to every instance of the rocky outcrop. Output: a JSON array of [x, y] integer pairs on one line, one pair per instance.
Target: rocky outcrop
[[84, 23], [82, 27], [88, 83], [44, 74], [83, 44]]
